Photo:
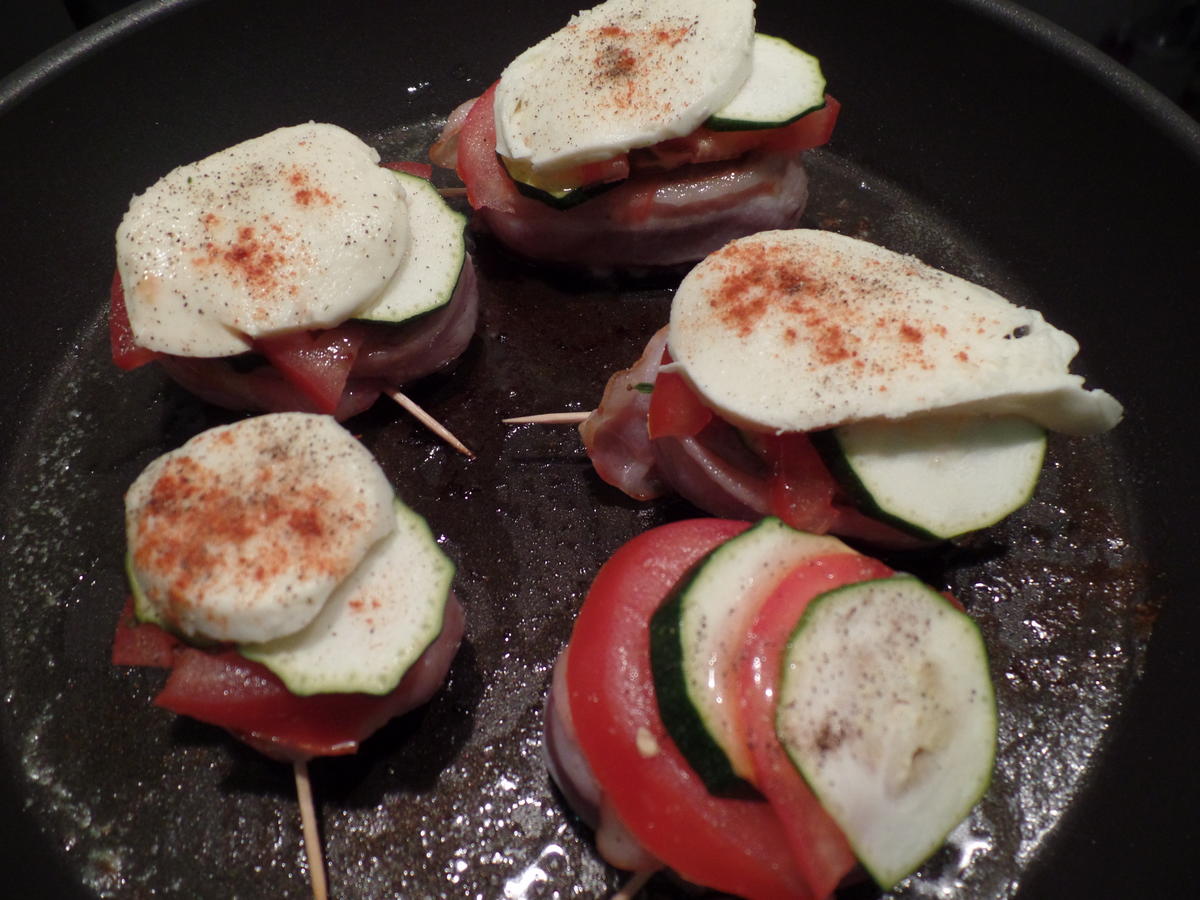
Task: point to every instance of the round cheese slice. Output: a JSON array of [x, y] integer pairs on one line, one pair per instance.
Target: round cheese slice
[[802, 330], [243, 532], [298, 228], [624, 74]]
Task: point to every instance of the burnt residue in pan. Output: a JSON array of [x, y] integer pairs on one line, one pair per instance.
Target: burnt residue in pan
[[454, 800]]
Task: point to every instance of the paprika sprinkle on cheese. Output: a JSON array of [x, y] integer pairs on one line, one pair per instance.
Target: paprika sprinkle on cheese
[[254, 524]]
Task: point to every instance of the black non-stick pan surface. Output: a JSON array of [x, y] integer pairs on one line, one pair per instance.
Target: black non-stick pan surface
[[972, 134]]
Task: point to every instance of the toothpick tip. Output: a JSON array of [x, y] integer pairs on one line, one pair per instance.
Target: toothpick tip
[[430, 422], [312, 835], [561, 418]]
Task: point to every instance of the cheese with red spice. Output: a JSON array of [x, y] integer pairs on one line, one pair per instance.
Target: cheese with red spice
[[244, 532], [802, 330], [622, 75], [298, 228]]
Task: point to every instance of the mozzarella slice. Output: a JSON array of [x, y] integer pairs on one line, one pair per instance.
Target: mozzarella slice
[[243, 532], [802, 330], [624, 74], [298, 228]]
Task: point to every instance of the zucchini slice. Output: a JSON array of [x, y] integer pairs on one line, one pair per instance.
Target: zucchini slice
[[785, 83], [437, 249], [556, 196], [886, 707], [695, 639], [372, 628], [937, 477], [377, 622]]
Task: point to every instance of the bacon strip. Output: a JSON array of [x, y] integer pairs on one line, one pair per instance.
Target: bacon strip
[[615, 434], [659, 219], [715, 470]]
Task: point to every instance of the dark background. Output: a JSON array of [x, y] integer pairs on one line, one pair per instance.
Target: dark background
[[1158, 40]]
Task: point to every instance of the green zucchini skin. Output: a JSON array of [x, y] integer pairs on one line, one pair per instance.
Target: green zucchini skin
[[934, 478], [785, 84], [693, 644], [678, 712], [564, 199], [830, 451]]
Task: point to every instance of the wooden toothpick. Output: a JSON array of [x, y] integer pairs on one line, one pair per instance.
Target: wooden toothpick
[[562, 418], [631, 888], [312, 835], [431, 423], [452, 191]]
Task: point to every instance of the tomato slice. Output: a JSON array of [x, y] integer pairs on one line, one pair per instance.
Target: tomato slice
[[812, 130], [818, 845], [602, 171], [802, 490], [675, 409], [706, 145], [421, 170], [142, 645], [480, 169], [126, 352], [223, 688], [732, 845], [247, 699], [317, 363]]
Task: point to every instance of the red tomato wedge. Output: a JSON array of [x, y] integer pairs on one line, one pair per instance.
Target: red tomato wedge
[[245, 698], [675, 410], [125, 350], [707, 145], [732, 845], [817, 843], [812, 130], [802, 490], [480, 169], [317, 363], [248, 700], [142, 645], [421, 170]]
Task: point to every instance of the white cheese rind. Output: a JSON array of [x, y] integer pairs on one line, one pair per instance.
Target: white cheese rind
[[243, 532], [802, 330], [298, 228], [624, 74]]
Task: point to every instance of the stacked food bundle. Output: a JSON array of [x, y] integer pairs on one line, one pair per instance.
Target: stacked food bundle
[[746, 701], [293, 272], [642, 136]]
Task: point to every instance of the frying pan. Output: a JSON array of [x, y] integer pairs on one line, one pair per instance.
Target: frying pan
[[973, 133]]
